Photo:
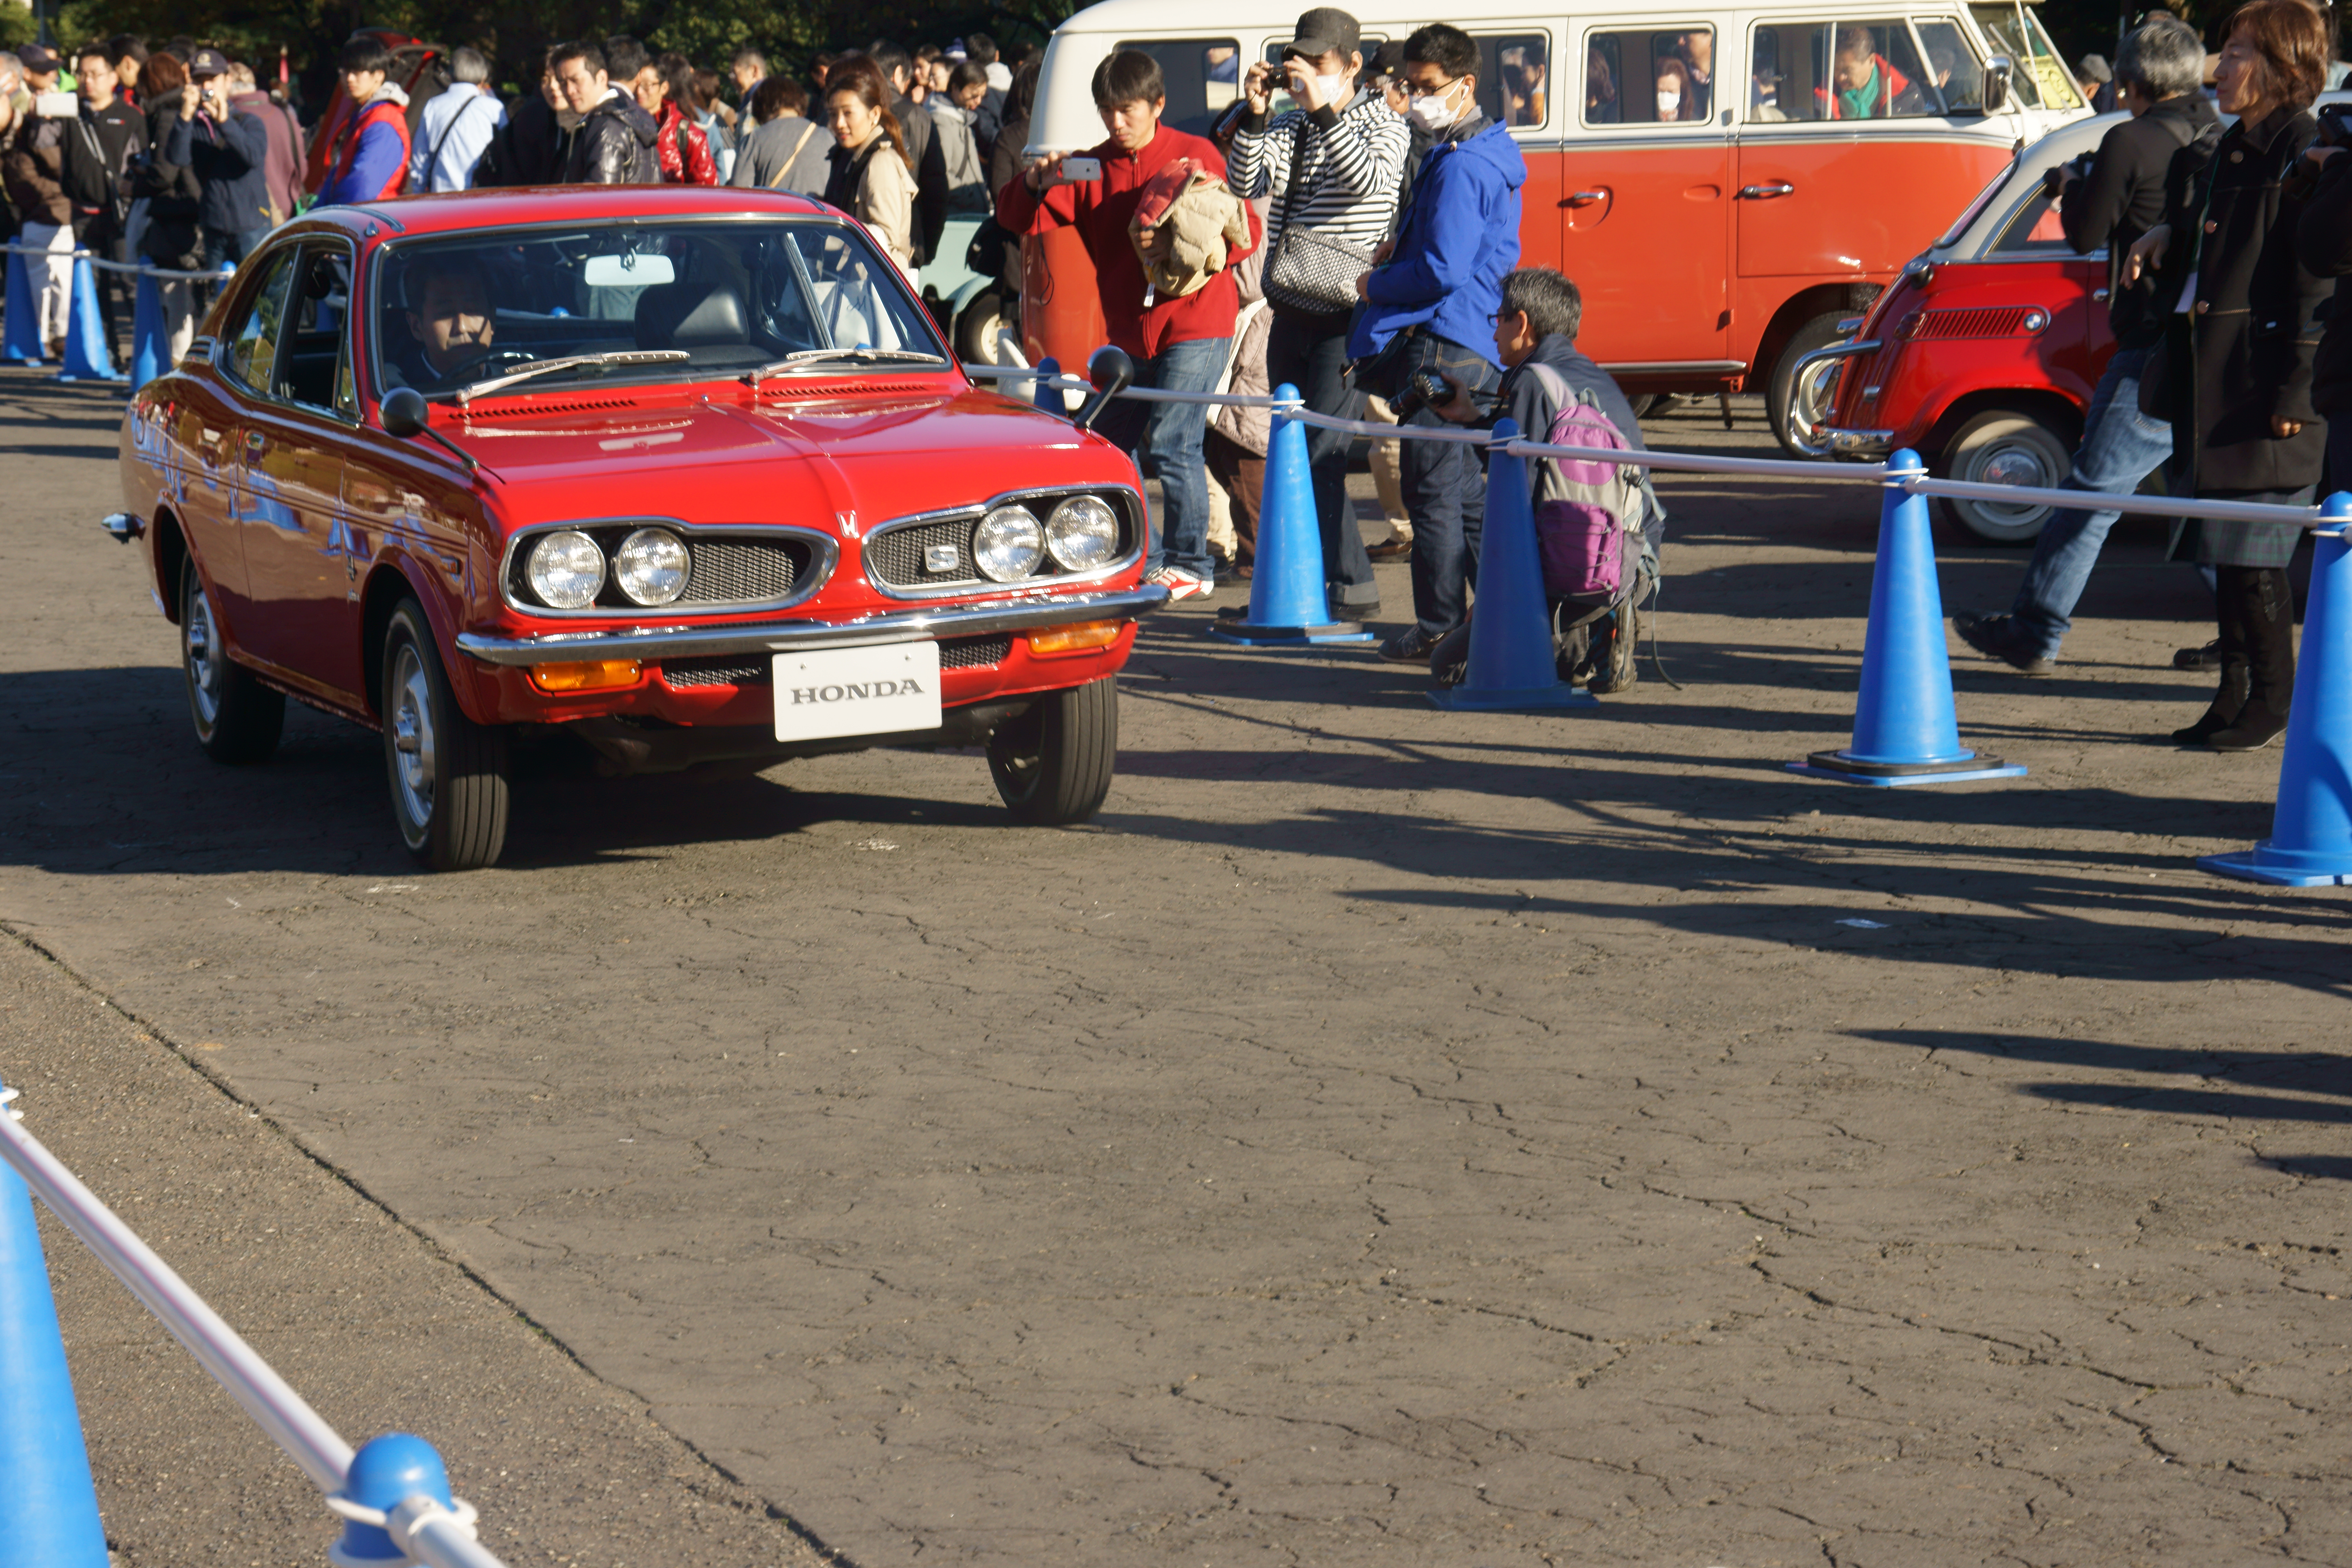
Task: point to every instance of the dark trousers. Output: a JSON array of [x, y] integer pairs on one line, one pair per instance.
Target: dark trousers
[[1445, 492], [1242, 472], [1311, 354], [2254, 610]]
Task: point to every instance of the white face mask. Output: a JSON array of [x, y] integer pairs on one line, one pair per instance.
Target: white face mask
[[1670, 105], [1435, 112], [1328, 90]]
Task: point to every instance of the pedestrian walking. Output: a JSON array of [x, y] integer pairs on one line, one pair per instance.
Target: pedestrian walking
[[457, 127], [1332, 166], [535, 145], [2148, 162]]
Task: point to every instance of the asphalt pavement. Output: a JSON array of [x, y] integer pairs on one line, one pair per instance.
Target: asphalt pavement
[[1383, 1135]]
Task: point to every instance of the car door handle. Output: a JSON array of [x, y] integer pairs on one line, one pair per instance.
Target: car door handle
[[1585, 198], [1765, 192]]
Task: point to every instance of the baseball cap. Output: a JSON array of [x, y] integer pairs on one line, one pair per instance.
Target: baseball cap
[[37, 59], [2096, 66], [208, 63], [1322, 30]]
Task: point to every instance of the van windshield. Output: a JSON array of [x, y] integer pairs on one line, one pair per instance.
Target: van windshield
[[1984, 199], [2042, 79]]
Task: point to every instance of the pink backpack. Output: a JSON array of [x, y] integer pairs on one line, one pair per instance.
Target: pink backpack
[[1586, 511]]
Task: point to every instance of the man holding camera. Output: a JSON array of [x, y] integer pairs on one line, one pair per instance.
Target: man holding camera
[[2156, 154], [228, 152]]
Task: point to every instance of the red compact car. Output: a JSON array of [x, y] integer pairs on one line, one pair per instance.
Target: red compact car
[[687, 473]]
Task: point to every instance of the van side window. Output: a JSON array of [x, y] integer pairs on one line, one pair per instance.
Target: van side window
[[1203, 78], [1652, 77], [1951, 65], [1843, 70], [1513, 70]]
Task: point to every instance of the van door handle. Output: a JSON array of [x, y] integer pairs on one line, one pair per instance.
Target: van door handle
[[1765, 192], [1585, 198]]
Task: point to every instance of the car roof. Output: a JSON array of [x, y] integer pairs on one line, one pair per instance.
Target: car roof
[[500, 206]]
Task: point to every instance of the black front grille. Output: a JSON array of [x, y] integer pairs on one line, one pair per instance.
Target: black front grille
[[739, 572], [974, 653], [720, 669], [896, 558]]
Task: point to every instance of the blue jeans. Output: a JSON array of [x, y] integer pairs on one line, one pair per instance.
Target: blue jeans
[[1445, 492], [1165, 441], [2120, 448]]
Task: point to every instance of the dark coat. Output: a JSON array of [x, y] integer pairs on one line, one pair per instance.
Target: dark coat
[[231, 161], [929, 163], [34, 169], [2323, 240], [614, 146], [98, 153], [2243, 354], [2145, 167]]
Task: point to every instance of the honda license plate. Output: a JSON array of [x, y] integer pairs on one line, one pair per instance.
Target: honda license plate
[[857, 691]]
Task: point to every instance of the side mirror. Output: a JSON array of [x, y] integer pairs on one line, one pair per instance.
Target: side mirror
[[1112, 372], [403, 412], [1998, 70]]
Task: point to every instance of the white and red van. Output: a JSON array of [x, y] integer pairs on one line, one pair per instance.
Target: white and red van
[[1715, 247]]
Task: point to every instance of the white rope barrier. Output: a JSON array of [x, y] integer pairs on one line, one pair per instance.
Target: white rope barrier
[[437, 1537], [139, 269]]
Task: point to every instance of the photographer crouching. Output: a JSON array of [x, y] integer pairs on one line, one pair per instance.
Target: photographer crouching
[[2142, 167]]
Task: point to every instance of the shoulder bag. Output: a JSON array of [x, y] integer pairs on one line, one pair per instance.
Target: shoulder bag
[[1306, 270]]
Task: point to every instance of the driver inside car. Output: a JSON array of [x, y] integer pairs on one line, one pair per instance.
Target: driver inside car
[[449, 324]]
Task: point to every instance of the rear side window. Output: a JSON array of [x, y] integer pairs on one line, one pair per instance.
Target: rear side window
[[1203, 78], [314, 365], [1651, 76], [1845, 70], [252, 355]]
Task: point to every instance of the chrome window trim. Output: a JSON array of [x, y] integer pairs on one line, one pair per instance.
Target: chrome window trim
[[827, 553], [1137, 517]]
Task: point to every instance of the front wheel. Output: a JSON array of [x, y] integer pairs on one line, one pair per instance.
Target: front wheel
[[1053, 764], [237, 719], [2006, 447], [1797, 411], [448, 774]]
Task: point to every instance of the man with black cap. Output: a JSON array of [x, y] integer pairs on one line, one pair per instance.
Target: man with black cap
[[228, 152], [1333, 165]]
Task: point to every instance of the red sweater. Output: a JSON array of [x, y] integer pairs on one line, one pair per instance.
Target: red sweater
[[1101, 210]]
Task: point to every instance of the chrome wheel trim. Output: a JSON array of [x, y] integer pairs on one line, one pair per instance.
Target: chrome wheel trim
[[411, 736], [2011, 462], [200, 648], [1809, 401]]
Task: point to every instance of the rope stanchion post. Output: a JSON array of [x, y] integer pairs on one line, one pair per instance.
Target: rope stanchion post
[[1905, 730], [2310, 843], [20, 342], [150, 340], [1513, 665], [89, 356], [1288, 607], [52, 1501], [1048, 395]]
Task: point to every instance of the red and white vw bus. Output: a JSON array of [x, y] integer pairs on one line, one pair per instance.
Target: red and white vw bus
[[1716, 248]]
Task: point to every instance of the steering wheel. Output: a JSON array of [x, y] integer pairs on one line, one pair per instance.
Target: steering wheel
[[490, 361]]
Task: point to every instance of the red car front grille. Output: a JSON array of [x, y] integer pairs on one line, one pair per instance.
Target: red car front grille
[[2007, 321]]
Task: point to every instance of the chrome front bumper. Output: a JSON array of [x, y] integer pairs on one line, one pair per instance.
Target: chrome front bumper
[[1819, 446], [652, 645], [1856, 443]]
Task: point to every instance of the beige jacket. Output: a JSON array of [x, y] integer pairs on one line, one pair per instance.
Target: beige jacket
[[886, 204], [1192, 239]]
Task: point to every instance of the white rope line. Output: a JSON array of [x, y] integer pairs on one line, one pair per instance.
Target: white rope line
[[139, 268]]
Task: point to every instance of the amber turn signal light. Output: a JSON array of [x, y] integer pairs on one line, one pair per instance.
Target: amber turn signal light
[[591, 675], [1078, 637]]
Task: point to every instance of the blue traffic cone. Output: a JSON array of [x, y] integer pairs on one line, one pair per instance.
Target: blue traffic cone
[[2310, 843], [1512, 661], [1048, 395], [1905, 731], [89, 356], [150, 340], [1288, 607], [52, 1503], [386, 1472], [21, 342]]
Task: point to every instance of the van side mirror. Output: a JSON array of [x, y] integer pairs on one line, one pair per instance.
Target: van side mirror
[[1112, 372], [1998, 70]]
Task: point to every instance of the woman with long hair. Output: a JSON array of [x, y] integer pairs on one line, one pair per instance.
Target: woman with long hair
[[871, 179], [2237, 358], [1675, 99]]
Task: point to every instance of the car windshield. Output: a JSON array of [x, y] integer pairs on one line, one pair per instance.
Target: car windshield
[[537, 310]]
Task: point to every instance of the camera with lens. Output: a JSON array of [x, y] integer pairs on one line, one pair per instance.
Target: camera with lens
[[1422, 389], [2053, 179], [2303, 175]]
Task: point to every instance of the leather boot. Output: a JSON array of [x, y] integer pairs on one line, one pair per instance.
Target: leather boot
[[2230, 599], [2270, 624]]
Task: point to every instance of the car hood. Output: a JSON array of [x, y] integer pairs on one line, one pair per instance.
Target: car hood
[[727, 458]]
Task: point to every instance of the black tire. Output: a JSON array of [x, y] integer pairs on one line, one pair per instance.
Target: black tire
[[237, 719], [2005, 445], [450, 777], [1781, 399], [976, 329], [1052, 765]]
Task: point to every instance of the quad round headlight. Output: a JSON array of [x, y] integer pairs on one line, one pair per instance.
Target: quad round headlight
[[1082, 534], [1008, 544], [566, 570], [650, 566]]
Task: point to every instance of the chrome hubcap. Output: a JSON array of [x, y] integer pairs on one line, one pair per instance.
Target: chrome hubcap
[[202, 657], [2020, 465], [412, 736]]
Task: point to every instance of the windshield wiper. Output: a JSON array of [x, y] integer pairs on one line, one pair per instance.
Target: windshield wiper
[[800, 357], [472, 390]]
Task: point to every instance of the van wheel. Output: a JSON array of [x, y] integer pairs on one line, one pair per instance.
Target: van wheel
[[449, 775], [2002, 447], [1053, 764], [1796, 410], [976, 329], [237, 719]]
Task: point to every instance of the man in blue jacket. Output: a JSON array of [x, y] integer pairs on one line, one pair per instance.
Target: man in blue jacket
[[1438, 287], [229, 151]]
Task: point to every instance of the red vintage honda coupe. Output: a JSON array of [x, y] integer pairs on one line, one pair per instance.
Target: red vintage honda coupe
[[689, 473]]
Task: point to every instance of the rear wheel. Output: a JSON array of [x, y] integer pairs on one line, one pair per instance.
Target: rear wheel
[[449, 775], [1052, 765], [976, 329], [1797, 410], [237, 719], [2004, 446]]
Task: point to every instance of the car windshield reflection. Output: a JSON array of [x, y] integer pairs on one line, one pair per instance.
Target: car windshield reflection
[[637, 302]]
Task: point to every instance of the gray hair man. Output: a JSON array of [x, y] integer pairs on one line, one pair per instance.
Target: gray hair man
[[2165, 144], [457, 127]]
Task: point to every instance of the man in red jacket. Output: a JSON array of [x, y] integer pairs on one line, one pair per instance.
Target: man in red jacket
[[1178, 343], [371, 147]]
